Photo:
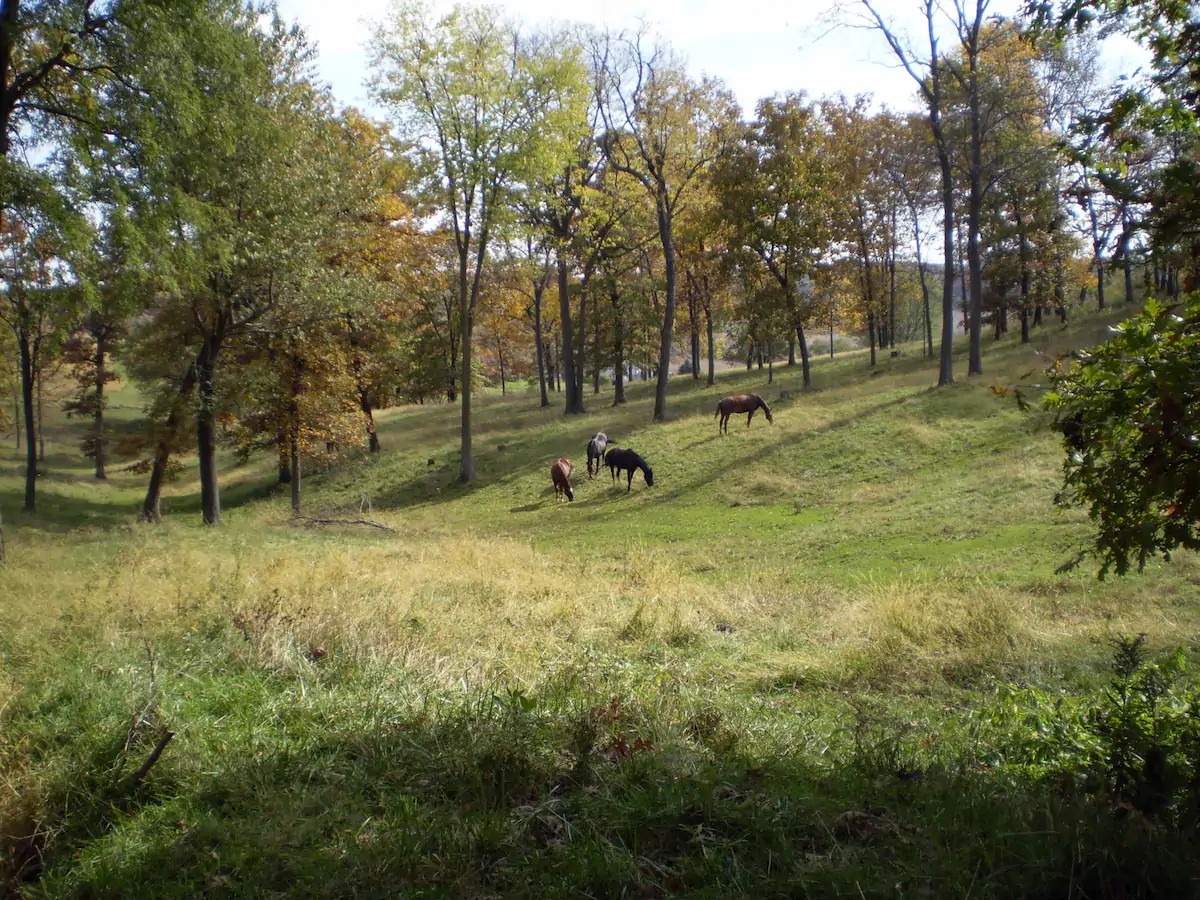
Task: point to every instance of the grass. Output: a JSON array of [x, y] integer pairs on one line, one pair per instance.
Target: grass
[[768, 675]]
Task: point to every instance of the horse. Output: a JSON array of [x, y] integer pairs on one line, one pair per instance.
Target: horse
[[595, 452], [618, 459], [743, 403], [560, 474]]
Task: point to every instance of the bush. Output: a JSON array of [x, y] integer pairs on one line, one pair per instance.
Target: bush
[[1128, 414], [1136, 744]]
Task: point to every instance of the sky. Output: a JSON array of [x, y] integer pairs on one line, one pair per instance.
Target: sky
[[757, 47]]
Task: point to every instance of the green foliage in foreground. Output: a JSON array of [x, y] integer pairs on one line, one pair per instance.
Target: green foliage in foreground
[[1128, 412]]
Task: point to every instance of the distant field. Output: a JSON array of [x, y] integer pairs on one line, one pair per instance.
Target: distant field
[[774, 673]]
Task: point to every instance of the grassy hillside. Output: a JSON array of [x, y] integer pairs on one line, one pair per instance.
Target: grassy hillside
[[786, 669]]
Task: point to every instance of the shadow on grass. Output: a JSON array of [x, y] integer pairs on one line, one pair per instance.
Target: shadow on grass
[[586, 795]]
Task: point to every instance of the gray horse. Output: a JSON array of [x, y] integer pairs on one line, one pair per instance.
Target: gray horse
[[595, 453]]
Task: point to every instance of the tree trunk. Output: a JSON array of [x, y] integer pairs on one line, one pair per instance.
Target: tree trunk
[[285, 457], [805, 361], [1099, 280], [27, 362], [574, 391], [101, 354], [206, 433], [41, 432], [1026, 278], [466, 473], [892, 288], [791, 353], [871, 334], [618, 351], [596, 353], [294, 453], [712, 353], [1126, 259], [668, 324], [364, 399], [150, 511], [975, 272], [294, 431], [581, 350], [541, 349], [922, 275]]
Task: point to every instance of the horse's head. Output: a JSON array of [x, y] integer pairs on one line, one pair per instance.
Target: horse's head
[[569, 491], [766, 410], [649, 473]]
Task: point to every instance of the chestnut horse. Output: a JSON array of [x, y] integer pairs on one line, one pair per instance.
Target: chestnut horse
[[742, 403], [617, 460], [560, 474], [595, 452]]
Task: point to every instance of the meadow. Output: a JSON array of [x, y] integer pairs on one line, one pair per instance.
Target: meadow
[[832, 656]]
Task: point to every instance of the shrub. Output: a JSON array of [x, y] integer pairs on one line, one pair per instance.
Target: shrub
[[1136, 744], [1128, 414]]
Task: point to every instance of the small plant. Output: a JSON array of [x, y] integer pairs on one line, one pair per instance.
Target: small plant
[[1136, 744]]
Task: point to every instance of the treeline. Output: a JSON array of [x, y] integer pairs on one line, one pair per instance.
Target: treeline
[[180, 195]]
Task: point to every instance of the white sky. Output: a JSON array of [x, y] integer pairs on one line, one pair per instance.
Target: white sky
[[757, 47]]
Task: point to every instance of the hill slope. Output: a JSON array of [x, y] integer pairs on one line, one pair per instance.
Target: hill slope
[[721, 684]]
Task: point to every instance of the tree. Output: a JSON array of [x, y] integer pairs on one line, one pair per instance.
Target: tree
[[41, 238], [1164, 105], [383, 263], [867, 216], [50, 53], [488, 109], [291, 381], [662, 130], [504, 339], [928, 73], [235, 181], [1127, 414], [911, 168], [778, 190], [47, 48]]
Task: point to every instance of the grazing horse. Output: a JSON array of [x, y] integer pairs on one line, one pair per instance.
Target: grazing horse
[[560, 474], [595, 452], [618, 459], [742, 403]]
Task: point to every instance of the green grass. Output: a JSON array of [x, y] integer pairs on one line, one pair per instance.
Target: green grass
[[716, 686]]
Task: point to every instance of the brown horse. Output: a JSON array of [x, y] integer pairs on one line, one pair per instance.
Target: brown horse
[[742, 403], [560, 474]]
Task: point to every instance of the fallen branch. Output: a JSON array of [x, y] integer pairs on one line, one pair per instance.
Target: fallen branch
[[153, 758], [305, 520]]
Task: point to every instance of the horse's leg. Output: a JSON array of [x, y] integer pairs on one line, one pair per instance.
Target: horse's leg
[[749, 417], [629, 483]]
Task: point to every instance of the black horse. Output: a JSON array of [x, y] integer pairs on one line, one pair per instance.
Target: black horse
[[618, 459], [595, 453]]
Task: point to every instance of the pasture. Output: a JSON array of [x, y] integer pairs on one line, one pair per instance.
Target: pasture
[[799, 664]]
